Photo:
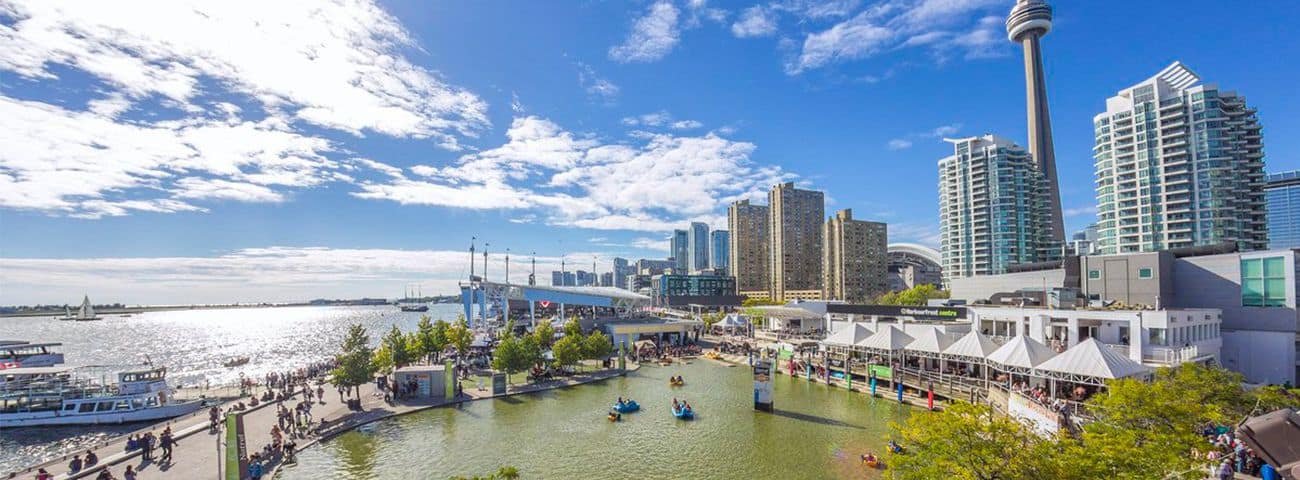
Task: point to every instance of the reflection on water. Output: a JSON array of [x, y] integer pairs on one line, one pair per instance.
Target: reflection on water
[[816, 433], [192, 344]]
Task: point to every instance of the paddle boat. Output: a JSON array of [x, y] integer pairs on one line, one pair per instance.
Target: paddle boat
[[626, 407], [895, 447], [676, 381], [870, 460], [615, 417], [683, 412]]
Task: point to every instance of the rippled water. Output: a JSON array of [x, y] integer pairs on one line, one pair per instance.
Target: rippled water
[[192, 344], [816, 433]]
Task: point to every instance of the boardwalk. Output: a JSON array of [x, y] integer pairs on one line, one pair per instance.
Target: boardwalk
[[197, 451]]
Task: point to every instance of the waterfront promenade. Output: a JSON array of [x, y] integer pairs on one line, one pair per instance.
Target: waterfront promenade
[[197, 452]]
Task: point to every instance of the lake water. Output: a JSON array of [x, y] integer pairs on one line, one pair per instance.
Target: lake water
[[192, 344], [815, 433]]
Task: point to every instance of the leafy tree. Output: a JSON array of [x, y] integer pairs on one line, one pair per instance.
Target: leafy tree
[[382, 359], [1273, 397], [545, 334], [460, 336], [918, 295], [572, 328], [757, 302], [424, 338], [966, 441], [568, 350], [438, 339], [509, 356], [395, 343], [355, 363], [597, 346], [711, 319]]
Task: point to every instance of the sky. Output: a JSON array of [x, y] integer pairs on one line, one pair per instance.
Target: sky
[[217, 152]]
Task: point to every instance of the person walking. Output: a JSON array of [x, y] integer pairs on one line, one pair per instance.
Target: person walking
[[167, 442], [129, 474], [255, 468], [146, 446]]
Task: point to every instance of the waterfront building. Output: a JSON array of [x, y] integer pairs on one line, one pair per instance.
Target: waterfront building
[[748, 248], [1255, 291], [584, 279], [678, 289], [607, 279], [911, 265], [621, 271], [719, 257], [855, 258], [563, 279], [1178, 164], [654, 267], [679, 247], [993, 208], [1084, 242], [697, 240], [1028, 22], [1282, 191], [795, 242]]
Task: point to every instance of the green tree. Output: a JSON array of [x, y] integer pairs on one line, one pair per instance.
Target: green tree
[[757, 302], [460, 336], [438, 340], [918, 295], [967, 441], [568, 350], [395, 343], [597, 346], [573, 328], [382, 359], [711, 319], [355, 362], [545, 334], [424, 338], [1273, 397], [509, 356]]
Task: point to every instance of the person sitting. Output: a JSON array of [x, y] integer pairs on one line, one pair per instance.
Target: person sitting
[[869, 458], [620, 400], [75, 465], [91, 458], [895, 447], [132, 443]]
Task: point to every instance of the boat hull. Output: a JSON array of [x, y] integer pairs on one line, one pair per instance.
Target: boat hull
[[49, 418]]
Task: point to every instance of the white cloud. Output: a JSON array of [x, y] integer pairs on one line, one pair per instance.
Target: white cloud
[[755, 21], [87, 165], [1080, 211], [333, 64], [945, 130], [924, 234], [248, 275], [651, 185], [647, 243], [652, 37], [597, 88], [660, 119], [813, 10], [900, 144], [941, 25], [686, 125]]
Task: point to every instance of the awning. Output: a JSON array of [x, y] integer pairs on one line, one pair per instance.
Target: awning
[[1021, 352], [931, 341], [1092, 359], [973, 345], [848, 336], [889, 339]]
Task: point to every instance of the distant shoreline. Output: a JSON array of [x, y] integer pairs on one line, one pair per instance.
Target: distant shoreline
[[165, 308]]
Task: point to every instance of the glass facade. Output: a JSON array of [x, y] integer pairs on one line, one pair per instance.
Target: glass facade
[[1263, 282], [1282, 194]]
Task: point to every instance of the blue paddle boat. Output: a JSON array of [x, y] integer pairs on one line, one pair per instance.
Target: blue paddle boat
[[627, 407], [683, 412]]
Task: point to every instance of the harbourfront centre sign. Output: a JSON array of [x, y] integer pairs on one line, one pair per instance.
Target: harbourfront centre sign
[[917, 312]]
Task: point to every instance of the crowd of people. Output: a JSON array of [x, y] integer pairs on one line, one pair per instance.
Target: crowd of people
[[735, 348], [1228, 455]]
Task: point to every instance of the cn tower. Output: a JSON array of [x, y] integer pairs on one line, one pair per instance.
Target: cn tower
[[1030, 20]]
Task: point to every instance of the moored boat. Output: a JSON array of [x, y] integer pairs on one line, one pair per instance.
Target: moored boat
[[41, 396], [17, 353]]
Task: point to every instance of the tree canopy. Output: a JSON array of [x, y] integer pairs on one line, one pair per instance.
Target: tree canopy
[[597, 346], [460, 336], [918, 295], [568, 349], [355, 365]]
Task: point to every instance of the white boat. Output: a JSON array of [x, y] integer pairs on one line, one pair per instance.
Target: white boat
[[16, 354], [87, 311], [42, 396], [67, 315]]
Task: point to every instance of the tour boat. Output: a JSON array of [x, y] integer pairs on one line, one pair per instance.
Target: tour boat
[[17, 353], [42, 396]]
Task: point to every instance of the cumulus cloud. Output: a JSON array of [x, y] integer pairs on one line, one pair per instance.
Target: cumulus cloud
[[940, 25], [598, 88], [661, 119], [652, 37], [651, 183], [755, 21]]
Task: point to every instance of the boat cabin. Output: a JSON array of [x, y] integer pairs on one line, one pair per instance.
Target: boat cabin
[[16, 354]]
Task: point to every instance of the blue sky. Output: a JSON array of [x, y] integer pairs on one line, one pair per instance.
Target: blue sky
[[228, 152]]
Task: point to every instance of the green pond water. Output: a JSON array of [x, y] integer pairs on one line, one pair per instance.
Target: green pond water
[[815, 433]]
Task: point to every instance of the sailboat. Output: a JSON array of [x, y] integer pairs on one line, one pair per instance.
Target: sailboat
[[67, 315], [87, 311], [409, 304]]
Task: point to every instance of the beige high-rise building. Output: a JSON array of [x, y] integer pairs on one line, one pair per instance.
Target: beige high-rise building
[[795, 229], [748, 247], [856, 259]]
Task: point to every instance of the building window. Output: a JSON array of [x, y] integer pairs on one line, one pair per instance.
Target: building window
[[1157, 336], [1094, 274], [1144, 273], [1263, 282]]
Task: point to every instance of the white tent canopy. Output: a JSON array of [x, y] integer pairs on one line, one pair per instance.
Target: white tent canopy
[[1092, 359], [849, 335], [973, 345], [888, 339], [931, 341], [733, 320], [1021, 352]]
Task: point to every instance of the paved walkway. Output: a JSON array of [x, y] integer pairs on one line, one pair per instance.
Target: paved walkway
[[198, 452]]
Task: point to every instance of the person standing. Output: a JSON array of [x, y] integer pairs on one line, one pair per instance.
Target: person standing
[[146, 446], [129, 474], [167, 442], [255, 468]]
